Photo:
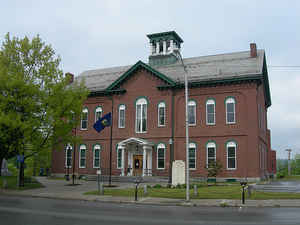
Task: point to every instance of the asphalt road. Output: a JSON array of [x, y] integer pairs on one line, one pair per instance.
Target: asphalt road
[[42, 211]]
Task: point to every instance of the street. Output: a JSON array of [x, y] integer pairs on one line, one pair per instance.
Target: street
[[31, 211]]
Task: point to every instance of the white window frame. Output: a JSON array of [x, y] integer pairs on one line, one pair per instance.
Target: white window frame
[[211, 145], [85, 110], [98, 109], [119, 151], [193, 145], [161, 105], [161, 146], [68, 148], [210, 102], [228, 145], [97, 147], [143, 103], [122, 107], [192, 103], [82, 147], [230, 100]]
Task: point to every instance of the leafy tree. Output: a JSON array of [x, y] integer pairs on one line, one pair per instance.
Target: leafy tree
[[38, 105], [214, 168]]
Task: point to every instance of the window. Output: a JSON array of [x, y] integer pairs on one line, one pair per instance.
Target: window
[[210, 112], [122, 116], [231, 155], [230, 110], [84, 119], [161, 114], [141, 116], [119, 158], [161, 156], [96, 158], [192, 112], [192, 156], [68, 162], [82, 156], [211, 153], [98, 113]]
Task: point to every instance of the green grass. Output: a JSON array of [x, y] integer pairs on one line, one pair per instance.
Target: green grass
[[290, 178], [30, 183], [204, 192]]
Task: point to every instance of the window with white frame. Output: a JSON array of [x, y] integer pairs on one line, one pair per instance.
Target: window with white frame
[[82, 156], [210, 112], [68, 161], [231, 155], [161, 114], [84, 119], [230, 110], [161, 149], [98, 113], [211, 154], [122, 116], [192, 112], [141, 116], [119, 158], [192, 155], [96, 154]]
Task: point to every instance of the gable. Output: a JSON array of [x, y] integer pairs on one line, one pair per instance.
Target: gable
[[139, 65]]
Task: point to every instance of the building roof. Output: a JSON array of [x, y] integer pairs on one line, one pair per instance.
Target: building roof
[[203, 68]]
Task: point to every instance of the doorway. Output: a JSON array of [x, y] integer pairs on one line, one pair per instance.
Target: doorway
[[137, 165]]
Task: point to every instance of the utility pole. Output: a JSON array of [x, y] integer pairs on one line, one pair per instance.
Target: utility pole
[[289, 161]]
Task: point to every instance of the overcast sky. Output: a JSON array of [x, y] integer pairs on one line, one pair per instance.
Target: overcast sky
[[96, 34]]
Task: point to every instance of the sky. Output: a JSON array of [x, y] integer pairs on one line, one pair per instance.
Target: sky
[[95, 34]]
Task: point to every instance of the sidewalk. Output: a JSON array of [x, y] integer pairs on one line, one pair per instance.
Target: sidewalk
[[59, 189]]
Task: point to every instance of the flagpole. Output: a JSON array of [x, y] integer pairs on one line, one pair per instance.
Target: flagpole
[[111, 128]]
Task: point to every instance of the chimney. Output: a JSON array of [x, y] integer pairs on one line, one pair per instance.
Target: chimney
[[253, 51], [70, 77]]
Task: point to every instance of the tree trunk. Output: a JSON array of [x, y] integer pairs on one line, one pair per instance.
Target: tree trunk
[[1, 160], [21, 175]]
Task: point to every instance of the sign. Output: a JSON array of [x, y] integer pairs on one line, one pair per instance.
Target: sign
[[98, 172]]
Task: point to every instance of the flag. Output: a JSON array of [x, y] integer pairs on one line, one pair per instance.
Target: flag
[[103, 122]]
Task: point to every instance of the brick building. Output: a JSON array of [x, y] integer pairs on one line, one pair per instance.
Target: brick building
[[228, 100]]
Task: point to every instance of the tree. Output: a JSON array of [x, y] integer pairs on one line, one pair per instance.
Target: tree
[[38, 105], [214, 168]]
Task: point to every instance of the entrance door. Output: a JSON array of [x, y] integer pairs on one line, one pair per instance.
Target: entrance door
[[137, 164]]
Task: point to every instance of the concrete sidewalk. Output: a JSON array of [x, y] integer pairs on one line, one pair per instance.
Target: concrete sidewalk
[[59, 189]]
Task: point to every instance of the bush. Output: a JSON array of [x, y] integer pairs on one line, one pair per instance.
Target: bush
[[157, 186]]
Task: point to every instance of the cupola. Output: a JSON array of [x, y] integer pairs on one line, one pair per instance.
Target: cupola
[[164, 48]]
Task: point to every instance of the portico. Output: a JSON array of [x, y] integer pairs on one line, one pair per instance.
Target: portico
[[139, 153]]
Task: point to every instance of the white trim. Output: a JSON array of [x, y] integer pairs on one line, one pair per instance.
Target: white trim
[[143, 103], [121, 107], [82, 147], [85, 110], [161, 105], [230, 100], [211, 102], [66, 155], [97, 147], [193, 145], [119, 149], [231, 144], [193, 103], [161, 146], [98, 109], [211, 145]]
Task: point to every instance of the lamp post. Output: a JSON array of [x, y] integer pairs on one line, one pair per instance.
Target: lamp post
[[170, 161], [186, 130], [68, 161], [289, 158]]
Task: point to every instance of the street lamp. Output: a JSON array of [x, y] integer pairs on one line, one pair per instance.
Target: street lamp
[[170, 161], [68, 161], [186, 130]]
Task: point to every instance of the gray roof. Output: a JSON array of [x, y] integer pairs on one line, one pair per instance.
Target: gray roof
[[203, 68]]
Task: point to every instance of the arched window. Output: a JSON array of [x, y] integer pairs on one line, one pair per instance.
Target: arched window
[[192, 112], [68, 159], [211, 154], [82, 156], [96, 154], [141, 116], [161, 114], [161, 149], [230, 110], [98, 113], [84, 119], [231, 155], [192, 155], [122, 116], [210, 112], [119, 158]]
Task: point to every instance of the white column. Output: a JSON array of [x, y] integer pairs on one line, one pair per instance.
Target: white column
[[157, 47], [164, 47], [123, 161], [144, 159], [150, 162], [171, 46]]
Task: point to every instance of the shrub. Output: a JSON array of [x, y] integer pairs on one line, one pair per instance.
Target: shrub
[[157, 186]]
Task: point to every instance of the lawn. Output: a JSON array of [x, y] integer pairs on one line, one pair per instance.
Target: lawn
[[290, 178], [204, 192], [30, 183]]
